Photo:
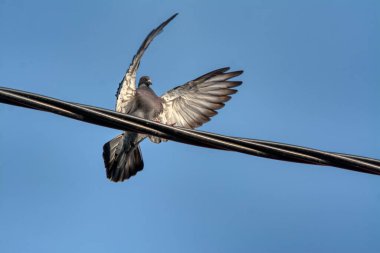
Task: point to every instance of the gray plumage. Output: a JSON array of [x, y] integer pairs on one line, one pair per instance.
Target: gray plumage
[[189, 105], [146, 104]]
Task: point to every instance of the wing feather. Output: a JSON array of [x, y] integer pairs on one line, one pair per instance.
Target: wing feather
[[127, 86], [195, 102]]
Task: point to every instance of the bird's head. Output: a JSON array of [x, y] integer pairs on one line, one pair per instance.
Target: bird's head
[[145, 80]]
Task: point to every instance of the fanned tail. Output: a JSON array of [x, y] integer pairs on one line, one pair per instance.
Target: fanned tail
[[122, 158]]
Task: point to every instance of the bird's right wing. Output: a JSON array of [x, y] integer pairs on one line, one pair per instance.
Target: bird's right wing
[[127, 86]]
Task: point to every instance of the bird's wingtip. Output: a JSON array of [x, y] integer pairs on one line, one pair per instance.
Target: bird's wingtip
[[172, 17]]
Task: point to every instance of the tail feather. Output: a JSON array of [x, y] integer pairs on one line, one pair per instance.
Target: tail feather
[[122, 159]]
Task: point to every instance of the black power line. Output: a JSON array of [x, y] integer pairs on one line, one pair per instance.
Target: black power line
[[112, 119]]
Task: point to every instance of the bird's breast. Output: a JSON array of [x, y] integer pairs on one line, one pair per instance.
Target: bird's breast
[[148, 105]]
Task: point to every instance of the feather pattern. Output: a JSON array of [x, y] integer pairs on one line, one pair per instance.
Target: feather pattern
[[194, 103], [127, 87]]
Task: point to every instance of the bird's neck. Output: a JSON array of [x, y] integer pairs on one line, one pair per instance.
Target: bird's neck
[[143, 85]]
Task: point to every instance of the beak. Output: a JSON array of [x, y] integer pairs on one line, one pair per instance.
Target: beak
[[149, 82]]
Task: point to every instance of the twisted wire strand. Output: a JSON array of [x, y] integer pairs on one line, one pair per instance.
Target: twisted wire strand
[[112, 119]]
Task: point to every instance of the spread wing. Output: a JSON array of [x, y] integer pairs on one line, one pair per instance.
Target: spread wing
[[127, 87], [195, 102]]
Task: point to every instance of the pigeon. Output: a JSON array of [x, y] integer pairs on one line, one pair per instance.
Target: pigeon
[[189, 105]]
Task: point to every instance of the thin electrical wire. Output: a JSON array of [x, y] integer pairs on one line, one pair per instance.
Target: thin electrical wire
[[112, 119]]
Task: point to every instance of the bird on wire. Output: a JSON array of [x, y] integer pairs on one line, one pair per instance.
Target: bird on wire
[[189, 105]]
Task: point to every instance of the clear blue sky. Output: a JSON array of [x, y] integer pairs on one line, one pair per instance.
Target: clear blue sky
[[311, 78]]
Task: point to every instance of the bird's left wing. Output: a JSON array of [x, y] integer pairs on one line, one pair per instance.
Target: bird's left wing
[[127, 86], [195, 102]]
